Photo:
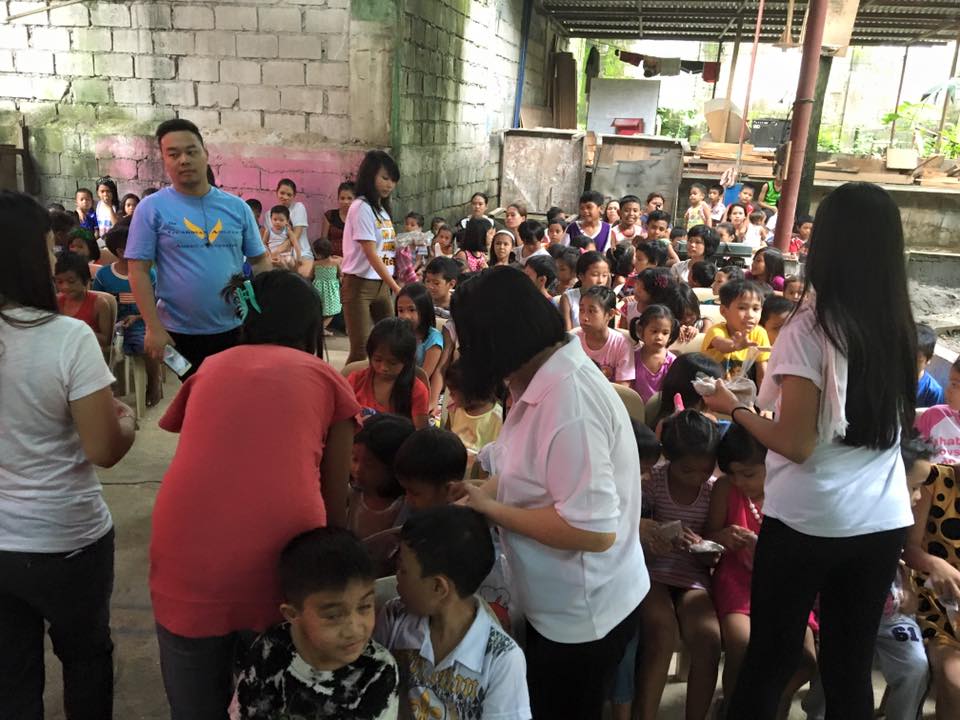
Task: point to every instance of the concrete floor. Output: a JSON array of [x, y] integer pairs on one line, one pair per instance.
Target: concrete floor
[[130, 489]]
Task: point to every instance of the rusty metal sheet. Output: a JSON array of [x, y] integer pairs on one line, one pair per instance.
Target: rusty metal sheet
[[542, 168], [638, 165]]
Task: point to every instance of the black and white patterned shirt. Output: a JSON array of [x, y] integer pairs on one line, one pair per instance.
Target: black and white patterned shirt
[[277, 684]]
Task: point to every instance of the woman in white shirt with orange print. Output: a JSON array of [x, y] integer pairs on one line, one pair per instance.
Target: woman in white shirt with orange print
[[369, 246], [565, 491]]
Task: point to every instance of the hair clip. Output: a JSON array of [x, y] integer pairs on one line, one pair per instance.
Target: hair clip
[[661, 281], [245, 299]]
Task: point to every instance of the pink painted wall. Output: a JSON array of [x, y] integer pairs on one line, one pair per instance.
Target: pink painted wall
[[250, 171]]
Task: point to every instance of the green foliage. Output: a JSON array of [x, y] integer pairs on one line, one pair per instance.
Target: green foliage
[[919, 122], [676, 123]]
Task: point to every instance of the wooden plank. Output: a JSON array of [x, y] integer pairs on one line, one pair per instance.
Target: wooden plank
[[879, 178]]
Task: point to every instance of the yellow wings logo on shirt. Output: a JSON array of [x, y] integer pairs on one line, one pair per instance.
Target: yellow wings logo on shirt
[[200, 233]]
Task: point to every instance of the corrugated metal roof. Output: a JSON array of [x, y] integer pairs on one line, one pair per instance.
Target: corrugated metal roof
[[879, 22]]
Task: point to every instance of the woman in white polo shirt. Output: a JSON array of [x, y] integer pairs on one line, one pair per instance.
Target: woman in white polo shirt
[[565, 491], [369, 247], [842, 379]]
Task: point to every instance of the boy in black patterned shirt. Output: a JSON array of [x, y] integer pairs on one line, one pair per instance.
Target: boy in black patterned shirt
[[321, 663]]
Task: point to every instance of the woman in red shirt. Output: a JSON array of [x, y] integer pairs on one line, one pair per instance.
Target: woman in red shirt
[[266, 433]]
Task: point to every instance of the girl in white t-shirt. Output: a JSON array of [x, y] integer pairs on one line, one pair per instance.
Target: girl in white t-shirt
[[369, 247], [842, 380], [108, 206], [611, 350], [60, 420]]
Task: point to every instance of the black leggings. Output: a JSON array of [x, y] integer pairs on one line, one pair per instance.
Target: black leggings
[[852, 575]]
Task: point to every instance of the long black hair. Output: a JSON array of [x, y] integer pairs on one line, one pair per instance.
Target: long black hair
[[366, 182], [679, 380], [26, 278], [420, 297], [396, 336], [111, 185], [495, 339], [866, 316], [290, 311], [474, 236]]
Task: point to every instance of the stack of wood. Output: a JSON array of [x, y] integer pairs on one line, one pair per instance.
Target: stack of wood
[[715, 157], [933, 172]]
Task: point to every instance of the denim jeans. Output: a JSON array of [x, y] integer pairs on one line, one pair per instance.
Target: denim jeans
[[71, 591]]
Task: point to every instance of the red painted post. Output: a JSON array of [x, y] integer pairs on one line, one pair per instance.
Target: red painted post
[[802, 107]]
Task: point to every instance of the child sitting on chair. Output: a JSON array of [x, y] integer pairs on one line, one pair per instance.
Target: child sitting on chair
[[113, 279], [455, 659]]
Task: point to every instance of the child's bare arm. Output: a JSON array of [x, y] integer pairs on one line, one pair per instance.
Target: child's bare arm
[[565, 312]]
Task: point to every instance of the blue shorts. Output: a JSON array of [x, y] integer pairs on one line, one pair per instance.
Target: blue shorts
[[133, 339]]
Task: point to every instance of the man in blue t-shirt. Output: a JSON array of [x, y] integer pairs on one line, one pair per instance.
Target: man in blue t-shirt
[[197, 237]]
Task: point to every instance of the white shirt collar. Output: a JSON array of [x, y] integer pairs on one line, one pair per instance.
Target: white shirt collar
[[470, 651], [559, 366]]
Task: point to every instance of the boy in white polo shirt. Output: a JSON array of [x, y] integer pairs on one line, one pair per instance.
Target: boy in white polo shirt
[[455, 660]]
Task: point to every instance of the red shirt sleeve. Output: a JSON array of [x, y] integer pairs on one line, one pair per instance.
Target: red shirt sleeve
[[172, 419], [420, 402]]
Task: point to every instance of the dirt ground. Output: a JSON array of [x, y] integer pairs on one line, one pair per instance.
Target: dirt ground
[[130, 489]]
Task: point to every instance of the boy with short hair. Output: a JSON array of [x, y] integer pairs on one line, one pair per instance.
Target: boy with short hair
[[629, 226], [322, 662], [729, 342], [802, 230], [658, 231], [455, 659], [256, 207], [702, 274], [745, 197], [715, 201], [427, 466], [589, 224], [556, 229], [114, 279], [929, 392], [725, 275], [440, 276], [85, 212]]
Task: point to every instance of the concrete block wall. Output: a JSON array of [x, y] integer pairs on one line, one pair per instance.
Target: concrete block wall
[[267, 81], [458, 64], [297, 88]]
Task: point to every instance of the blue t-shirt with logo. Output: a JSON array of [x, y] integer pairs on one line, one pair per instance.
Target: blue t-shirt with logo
[[197, 244], [108, 280]]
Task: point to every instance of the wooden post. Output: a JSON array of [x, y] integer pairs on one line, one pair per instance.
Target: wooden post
[[799, 130], [896, 105], [946, 97], [805, 191], [746, 101]]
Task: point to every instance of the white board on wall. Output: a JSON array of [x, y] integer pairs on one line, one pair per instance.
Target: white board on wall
[[610, 99]]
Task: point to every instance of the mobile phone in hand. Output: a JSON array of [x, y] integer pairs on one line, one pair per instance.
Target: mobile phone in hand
[[175, 361]]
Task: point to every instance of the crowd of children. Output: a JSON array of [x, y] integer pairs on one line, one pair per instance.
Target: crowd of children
[[655, 308]]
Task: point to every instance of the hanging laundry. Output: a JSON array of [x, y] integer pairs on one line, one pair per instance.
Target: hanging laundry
[[630, 57], [694, 67], [653, 66], [592, 66], [711, 72]]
